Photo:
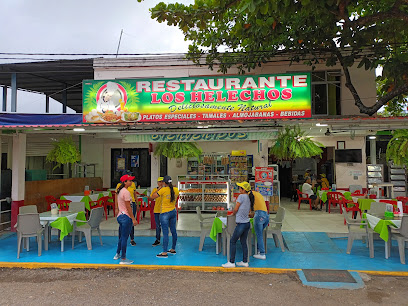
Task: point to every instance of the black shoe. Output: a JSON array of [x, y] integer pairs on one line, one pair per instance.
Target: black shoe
[[161, 255], [132, 243], [172, 252], [157, 242], [313, 208]]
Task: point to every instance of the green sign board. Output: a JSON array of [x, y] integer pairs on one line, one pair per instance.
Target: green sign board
[[132, 138], [197, 99]]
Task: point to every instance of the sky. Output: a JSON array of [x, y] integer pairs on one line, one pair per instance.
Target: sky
[[86, 26]]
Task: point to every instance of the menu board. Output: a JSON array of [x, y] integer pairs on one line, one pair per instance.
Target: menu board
[[264, 180]]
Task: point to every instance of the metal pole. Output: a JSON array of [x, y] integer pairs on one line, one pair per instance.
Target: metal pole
[[47, 103], [120, 38], [13, 92], [4, 98], [64, 100]]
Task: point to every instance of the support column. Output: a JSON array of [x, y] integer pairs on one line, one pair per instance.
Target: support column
[[263, 152], [9, 152], [155, 168], [13, 92], [373, 153], [4, 108], [64, 100], [18, 176], [47, 104]]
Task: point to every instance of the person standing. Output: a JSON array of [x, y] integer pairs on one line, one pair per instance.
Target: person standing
[[157, 210], [133, 205], [261, 217], [168, 215], [125, 218], [241, 210]]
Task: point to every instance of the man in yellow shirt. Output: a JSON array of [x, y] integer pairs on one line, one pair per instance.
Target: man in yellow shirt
[[157, 210], [132, 190]]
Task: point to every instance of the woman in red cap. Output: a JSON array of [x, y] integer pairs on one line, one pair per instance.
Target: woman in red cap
[[125, 218]]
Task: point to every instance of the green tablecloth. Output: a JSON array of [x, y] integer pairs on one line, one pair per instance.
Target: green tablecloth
[[218, 225], [87, 200], [323, 195], [65, 226], [364, 204], [380, 226]]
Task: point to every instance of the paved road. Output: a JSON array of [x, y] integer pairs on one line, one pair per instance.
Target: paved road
[[144, 287]]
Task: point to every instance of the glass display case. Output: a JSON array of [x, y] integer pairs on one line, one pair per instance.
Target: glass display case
[[208, 194]]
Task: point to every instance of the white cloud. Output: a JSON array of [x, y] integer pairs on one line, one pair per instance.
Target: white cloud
[[78, 26]]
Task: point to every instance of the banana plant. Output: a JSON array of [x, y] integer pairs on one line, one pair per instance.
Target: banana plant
[[178, 149], [397, 148], [293, 143]]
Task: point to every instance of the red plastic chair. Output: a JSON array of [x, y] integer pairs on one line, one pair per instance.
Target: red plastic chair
[[303, 197], [325, 189], [334, 199], [372, 196], [354, 208], [393, 203], [64, 194], [357, 194], [108, 205], [404, 201], [50, 199], [142, 207], [63, 205]]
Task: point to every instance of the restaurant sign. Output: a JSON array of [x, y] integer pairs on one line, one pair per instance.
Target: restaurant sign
[[197, 99], [133, 138]]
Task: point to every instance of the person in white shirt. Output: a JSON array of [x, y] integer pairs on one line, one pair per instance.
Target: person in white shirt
[[307, 188]]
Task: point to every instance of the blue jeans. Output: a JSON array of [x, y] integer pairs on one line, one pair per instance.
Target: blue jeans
[[169, 219], [261, 220], [241, 233], [125, 225], [158, 227], [132, 231]]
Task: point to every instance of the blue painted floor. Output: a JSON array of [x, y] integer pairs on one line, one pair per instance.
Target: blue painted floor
[[306, 251]]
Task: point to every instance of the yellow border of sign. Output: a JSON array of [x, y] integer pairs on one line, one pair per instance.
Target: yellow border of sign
[[50, 265]]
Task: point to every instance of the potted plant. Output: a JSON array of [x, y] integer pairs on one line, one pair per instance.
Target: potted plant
[[178, 150], [293, 143], [64, 151]]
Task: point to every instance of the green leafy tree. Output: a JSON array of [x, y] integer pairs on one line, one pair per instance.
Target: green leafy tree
[[64, 151], [178, 150], [248, 33], [397, 148], [293, 143]]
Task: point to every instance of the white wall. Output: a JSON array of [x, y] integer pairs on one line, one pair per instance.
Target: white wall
[[342, 170], [92, 153]]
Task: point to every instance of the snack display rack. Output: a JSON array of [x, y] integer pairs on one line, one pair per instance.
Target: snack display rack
[[208, 194], [209, 164], [238, 169]]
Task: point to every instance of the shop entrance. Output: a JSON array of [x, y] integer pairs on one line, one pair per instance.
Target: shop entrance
[[134, 159]]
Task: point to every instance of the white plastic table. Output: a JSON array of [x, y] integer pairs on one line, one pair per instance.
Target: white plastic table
[[46, 218]]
